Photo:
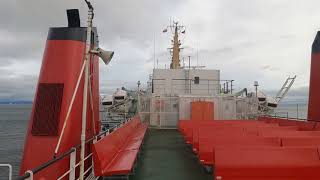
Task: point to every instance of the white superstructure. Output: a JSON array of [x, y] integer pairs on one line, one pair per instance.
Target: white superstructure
[[170, 92], [185, 81]]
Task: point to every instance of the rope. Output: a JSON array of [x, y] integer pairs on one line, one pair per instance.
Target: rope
[[69, 110], [91, 103]]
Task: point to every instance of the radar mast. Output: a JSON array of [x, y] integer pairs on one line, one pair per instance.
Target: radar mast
[[176, 43]]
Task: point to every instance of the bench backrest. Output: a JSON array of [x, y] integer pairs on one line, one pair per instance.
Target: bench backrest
[[256, 162], [209, 144], [300, 141], [105, 149]]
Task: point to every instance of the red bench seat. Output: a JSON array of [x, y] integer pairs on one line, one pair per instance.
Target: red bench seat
[[116, 153], [267, 163], [301, 142], [122, 163], [207, 147]]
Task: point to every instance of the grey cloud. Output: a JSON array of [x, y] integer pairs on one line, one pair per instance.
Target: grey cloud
[[18, 87], [270, 68], [247, 40], [295, 91]]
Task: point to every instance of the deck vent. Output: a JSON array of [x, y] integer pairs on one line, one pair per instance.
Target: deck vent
[[47, 109]]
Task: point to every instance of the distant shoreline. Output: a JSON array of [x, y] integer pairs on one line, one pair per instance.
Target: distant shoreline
[[15, 103]]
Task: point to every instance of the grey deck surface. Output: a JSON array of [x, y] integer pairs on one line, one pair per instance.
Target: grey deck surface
[[165, 156]]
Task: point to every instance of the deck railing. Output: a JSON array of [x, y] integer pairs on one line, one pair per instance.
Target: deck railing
[[72, 154], [290, 118], [9, 168]]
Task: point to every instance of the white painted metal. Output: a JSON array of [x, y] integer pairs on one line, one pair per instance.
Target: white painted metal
[[85, 93], [72, 174], [91, 105], [160, 112], [181, 81], [285, 88], [72, 167], [9, 168], [246, 107], [165, 111], [228, 108]]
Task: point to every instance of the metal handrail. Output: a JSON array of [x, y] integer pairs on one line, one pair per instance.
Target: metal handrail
[[62, 156], [296, 119], [10, 169], [290, 118]]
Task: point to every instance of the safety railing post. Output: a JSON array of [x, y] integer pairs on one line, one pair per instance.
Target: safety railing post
[[103, 135], [72, 174], [9, 168], [92, 162]]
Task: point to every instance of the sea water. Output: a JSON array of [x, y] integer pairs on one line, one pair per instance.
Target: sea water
[[13, 126]]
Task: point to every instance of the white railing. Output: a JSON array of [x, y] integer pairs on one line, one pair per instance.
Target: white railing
[[72, 153], [9, 168]]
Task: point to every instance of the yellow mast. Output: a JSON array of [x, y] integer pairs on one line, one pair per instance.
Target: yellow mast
[[175, 64], [176, 29]]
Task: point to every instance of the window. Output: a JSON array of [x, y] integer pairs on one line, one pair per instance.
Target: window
[[107, 103], [196, 80], [119, 97]]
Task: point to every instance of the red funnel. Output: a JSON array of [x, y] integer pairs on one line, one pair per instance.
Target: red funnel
[[62, 62]]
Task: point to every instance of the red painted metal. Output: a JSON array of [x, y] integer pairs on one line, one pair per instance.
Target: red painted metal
[[116, 153], [270, 148], [208, 110], [196, 111], [202, 110], [301, 141], [267, 163], [62, 62]]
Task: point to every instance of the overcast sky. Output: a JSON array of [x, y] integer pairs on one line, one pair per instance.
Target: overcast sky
[[247, 40]]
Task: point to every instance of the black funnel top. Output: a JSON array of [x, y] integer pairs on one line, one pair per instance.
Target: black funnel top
[[316, 43], [73, 18]]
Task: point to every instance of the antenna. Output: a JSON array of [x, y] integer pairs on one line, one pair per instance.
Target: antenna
[[198, 54], [154, 50], [183, 62], [157, 63], [176, 30]]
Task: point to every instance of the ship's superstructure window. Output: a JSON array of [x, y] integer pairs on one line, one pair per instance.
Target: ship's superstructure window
[[119, 97], [107, 103], [196, 80]]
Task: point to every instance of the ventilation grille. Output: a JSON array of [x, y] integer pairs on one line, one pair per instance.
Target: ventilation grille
[[47, 109]]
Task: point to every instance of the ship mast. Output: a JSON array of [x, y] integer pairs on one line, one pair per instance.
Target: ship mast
[[175, 50]]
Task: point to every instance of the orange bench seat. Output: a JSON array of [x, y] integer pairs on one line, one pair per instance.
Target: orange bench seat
[[116, 153], [267, 163]]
